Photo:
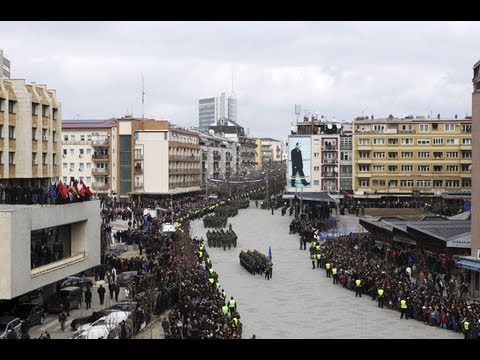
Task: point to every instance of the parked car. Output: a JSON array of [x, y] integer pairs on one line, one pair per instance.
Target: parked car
[[107, 327], [10, 323], [82, 320], [126, 277], [81, 282], [32, 313], [72, 294]]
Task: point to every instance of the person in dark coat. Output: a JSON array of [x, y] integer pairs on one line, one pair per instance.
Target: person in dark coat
[[88, 298], [111, 289], [297, 165], [101, 294], [116, 289]]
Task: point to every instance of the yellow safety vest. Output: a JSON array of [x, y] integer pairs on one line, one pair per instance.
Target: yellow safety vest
[[380, 292], [466, 325], [212, 280], [231, 303], [312, 256], [327, 266], [225, 309], [235, 321], [319, 256], [358, 282], [334, 271], [403, 304]]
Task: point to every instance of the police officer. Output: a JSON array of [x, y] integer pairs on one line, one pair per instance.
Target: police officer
[[403, 309], [466, 328], [381, 299], [232, 305], [328, 269], [358, 287], [334, 274]]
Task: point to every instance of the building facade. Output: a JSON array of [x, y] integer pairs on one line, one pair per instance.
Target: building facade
[[412, 156], [476, 163], [76, 226], [268, 151], [4, 66], [328, 153], [88, 147], [218, 157], [154, 159], [215, 108], [30, 128]]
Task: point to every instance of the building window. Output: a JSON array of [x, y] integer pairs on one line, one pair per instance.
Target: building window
[[362, 141], [316, 168], [44, 158], [424, 168], [423, 154], [437, 155], [363, 182], [11, 158], [451, 168], [379, 141], [466, 183], [12, 106], [452, 141], [379, 155], [423, 127], [1, 131], [316, 155], [34, 158], [437, 168], [80, 151], [89, 179], [452, 154], [11, 132], [466, 129], [392, 183], [363, 168], [467, 141], [55, 114], [35, 109], [54, 159], [316, 182], [2, 105], [392, 168], [452, 183], [344, 156], [44, 135], [364, 154], [89, 137], [89, 166], [406, 183], [82, 137], [34, 133], [54, 136], [378, 168], [45, 111], [72, 166], [65, 152], [406, 168], [466, 154], [392, 141], [65, 137], [407, 141], [72, 152], [466, 168], [449, 127], [437, 183], [438, 141], [424, 183], [72, 137], [423, 141], [378, 128], [89, 151], [407, 154], [65, 166], [392, 155]]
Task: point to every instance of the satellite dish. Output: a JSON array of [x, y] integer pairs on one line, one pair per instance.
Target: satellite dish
[[211, 131], [336, 168], [329, 126]]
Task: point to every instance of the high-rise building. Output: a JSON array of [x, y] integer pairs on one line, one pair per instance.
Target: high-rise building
[[216, 108], [4, 66]]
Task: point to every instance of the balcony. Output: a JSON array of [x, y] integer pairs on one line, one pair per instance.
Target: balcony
[[329, 161], [183, 158], [100, 143], [217, 157], [100, 186], [12, 119], [12, 144], [330, 175], [45, 122], [11, 170], [100, 171], [138, 156], [185, 171], [44, 146], [35, 170], [138, 186], [406, 131], [329, 148], [2, 118], [183, 184], [364, 147], [34, 121], [99, 158], [138, 171], [204, 157], [345, 146]]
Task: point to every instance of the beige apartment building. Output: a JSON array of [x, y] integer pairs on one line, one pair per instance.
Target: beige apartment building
[[412, 156], [30, 127], [154, 159], [88, 149]]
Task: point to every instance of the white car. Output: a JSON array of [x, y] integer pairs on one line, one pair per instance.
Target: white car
[[102, 326]]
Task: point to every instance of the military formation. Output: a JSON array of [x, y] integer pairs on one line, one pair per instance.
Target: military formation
[[222, 238], [256, 263]]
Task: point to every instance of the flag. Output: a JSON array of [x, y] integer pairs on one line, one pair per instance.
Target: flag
[[270, 253], [88, 192], [62, 190], [80, 189], [53, 192]]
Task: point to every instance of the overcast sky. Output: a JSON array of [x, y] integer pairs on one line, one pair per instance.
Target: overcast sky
[[340, 69]]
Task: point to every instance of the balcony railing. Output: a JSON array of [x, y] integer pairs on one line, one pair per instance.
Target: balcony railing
[[138, 185], [98, 143], [183, 158], [57, 265], [99, 171], [330, 174], [183, 184], [329, 148], [217, 157], [138, 156], [100, 186], [97, 157], [184, 171], [138, 171], [330, 161]]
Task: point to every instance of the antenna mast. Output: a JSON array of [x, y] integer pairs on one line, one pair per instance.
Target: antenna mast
[[143, 98]]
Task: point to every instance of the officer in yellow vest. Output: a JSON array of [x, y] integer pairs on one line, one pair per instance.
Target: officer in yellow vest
[[312, 257], [225, 310], [381, 299], [466, 328], [403, 309], [319, 257], [328, 269], [358, 287], [334, 274], [232, 305], [224, 295]]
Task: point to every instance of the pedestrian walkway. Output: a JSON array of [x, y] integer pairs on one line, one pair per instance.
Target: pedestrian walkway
[[299, 302]]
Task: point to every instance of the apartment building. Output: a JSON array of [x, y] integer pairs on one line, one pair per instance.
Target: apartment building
[[218, 157], [88, 148], [30, 128], [412, 156]]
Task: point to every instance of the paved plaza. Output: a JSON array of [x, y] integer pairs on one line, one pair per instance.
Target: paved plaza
[[299, 302]]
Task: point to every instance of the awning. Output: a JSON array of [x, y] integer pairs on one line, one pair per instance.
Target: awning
[[469, 264]]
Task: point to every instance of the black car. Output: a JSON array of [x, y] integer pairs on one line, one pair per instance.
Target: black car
[[81, 282], [126, 277], [70, 295], [32, 313]]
